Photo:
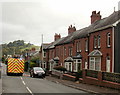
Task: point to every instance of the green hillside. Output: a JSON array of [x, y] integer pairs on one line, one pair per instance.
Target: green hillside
[[17, 47]]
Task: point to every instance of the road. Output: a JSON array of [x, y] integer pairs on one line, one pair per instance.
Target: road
[[26, 84]]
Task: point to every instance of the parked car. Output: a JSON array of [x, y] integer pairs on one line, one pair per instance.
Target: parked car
[[37, 72]]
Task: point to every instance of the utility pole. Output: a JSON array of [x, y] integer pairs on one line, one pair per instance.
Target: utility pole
[[42, 50]]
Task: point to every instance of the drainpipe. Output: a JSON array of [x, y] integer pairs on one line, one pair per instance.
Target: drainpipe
[[88, 48], [113, 45]]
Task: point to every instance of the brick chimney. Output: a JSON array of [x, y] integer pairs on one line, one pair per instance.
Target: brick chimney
[[71, 29], [57, 36], [95, 16]]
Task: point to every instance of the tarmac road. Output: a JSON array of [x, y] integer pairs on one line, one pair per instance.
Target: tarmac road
[[26, 84]]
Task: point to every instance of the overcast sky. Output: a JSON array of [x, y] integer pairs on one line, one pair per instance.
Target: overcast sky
[[29, 19]]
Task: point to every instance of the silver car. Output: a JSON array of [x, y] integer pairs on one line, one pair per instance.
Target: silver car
[[37, 72]]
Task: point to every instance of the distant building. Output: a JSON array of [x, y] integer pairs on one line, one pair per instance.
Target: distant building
[[43, 62]]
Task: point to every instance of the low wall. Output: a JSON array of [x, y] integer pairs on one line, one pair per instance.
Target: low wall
[[99, 80], [61, 75], [57, 74], [68, 77]]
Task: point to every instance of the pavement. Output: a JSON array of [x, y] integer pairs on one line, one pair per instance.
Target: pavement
[[85, 87]]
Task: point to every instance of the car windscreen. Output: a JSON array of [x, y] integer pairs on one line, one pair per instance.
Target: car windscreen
[[38, 69]]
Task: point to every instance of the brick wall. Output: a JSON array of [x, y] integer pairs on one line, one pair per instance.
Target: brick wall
[[104, 49]]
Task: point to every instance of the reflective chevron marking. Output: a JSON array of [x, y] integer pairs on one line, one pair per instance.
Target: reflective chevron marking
[[15, 65]]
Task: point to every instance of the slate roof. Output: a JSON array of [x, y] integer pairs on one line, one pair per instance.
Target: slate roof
[[69, 59], [56, 59], [78, 56], [45, 45], [52, 45], [96, 26]]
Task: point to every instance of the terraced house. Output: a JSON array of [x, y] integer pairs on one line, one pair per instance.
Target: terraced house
[[95, 47]]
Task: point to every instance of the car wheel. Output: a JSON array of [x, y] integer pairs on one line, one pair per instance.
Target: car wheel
[[33, 75], [30, 75]]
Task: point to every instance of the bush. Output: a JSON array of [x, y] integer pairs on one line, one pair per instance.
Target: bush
[[32, 64], [60, 68]]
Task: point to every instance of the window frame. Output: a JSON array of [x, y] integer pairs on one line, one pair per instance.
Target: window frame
[[76, 63], [77, 46], [94, 63], [70, 51], [107, 58], [108, 39], [65, 51], [86, 45], [80, 46], [98, 42], [44, 54], [95, 42]]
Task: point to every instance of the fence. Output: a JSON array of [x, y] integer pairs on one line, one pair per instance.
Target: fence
[[113, 77], [100, 78]]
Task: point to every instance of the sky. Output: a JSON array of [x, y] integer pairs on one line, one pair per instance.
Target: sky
[[28, 19]]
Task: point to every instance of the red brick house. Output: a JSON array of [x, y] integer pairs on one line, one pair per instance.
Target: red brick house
[[94, 47]]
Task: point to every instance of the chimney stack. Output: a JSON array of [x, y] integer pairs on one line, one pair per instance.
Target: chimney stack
[[57, 36], [95, 16], [71, 29]]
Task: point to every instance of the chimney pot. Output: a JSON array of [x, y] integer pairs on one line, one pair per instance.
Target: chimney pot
[[71, 29], [95, 17], [57, 36]]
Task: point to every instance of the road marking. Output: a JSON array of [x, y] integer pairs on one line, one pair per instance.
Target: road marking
[[26, 86], [29, 91], [23, 82], [21, 78]]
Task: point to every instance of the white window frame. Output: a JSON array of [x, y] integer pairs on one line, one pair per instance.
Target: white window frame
[[86, 65], [107, 70], [92, 59], [64, 50], [108, 39], [67, 65], [95, 42], [70, 69], [76, 64], [50, 67], [77, 46], [70, 51], [94, 63], [80, 46], [86, 45], [99, 44]]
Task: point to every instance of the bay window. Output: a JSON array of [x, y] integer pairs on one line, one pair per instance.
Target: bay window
[[95, 63]]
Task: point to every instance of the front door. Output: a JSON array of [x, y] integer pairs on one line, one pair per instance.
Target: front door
[[108, 65]]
